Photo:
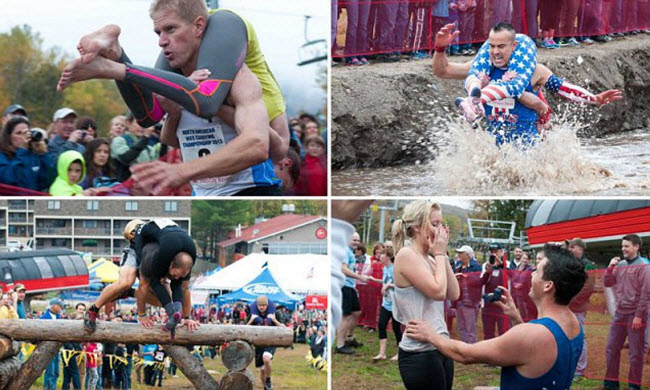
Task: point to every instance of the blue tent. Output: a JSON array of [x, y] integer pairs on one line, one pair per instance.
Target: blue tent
[[263, 284]]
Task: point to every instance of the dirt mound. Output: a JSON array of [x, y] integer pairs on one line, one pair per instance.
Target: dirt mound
[[388, 114]]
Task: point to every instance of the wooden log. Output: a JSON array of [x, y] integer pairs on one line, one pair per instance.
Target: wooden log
[[237, 355], [8, 348], [122, 332], [238, 380], [35, 365], [8, 370], [191, 367]]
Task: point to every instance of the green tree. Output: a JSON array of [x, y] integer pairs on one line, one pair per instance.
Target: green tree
[[29, 76]]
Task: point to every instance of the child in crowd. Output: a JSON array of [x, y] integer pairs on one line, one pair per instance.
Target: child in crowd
[[71, 171], [92, 356], [313, 172]]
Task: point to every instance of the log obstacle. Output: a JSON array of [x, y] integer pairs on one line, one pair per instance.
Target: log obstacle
[[52, 334], [130, 333]]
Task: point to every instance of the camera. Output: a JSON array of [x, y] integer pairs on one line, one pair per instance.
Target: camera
[[36, 135], [493, 297], [493, 259], [83, 134]]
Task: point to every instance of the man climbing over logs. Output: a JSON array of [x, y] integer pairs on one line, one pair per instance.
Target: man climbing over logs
[[263, 314]]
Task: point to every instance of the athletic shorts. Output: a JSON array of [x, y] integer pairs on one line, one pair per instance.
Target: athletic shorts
[[259, 354], [261, 191], [350, 300]]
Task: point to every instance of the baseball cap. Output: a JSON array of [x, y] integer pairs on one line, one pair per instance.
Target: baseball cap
[[19, 286], [576, 241], [495, 246], [465, 249], [15, 107], [56, 301], [62, 113]]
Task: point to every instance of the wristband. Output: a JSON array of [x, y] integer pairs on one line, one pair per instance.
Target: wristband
[[439, 49], [142, 315]]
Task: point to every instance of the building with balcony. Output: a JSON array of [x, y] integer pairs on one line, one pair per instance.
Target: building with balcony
[[89, 225], [284, 234]]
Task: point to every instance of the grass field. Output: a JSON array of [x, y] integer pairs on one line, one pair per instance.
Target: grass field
[[352, 372], [290, 371]]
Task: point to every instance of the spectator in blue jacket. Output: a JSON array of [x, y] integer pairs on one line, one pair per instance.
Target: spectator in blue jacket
[[24, 160], [67, 137]]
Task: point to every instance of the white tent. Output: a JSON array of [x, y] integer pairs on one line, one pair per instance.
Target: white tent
[[298, 274]]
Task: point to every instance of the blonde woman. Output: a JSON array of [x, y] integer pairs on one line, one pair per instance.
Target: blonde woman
[[423, 280]]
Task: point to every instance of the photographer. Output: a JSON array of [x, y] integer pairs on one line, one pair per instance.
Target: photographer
[[494, 276], [88, 128], [24, 158]]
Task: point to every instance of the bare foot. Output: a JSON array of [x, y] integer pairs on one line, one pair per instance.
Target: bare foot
[[378, 358], [99, 68], [102, 42]]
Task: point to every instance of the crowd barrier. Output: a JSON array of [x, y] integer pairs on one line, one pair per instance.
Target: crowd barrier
[[368, 27]]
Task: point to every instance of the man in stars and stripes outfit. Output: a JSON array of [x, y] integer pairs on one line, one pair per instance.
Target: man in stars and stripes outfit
[[504, 81]]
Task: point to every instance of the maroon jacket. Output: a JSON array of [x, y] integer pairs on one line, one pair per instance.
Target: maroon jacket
[[631, 282]]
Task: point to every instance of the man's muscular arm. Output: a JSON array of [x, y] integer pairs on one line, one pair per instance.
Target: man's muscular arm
[[249, 148]]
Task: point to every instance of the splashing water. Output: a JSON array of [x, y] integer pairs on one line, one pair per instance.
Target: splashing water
[[557, 165], [467, 163]]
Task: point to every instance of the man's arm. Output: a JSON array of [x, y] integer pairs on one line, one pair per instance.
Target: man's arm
[[441, 66], [514, 348], [278, 145], [249, 148], [351, 274]]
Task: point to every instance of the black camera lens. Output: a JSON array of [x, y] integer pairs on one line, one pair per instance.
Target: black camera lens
[[493, 259], [36, 135], [493, 297]]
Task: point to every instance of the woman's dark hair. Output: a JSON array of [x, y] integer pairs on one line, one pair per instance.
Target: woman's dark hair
[[5, 138], [93, 171]]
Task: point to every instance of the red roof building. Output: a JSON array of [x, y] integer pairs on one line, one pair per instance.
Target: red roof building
[[284, 234]]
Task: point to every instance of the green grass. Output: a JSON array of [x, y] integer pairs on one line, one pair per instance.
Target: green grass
[[351, 372], [290, 371]]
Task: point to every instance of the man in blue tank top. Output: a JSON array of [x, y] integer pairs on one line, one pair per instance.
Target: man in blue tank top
[[541, 354]]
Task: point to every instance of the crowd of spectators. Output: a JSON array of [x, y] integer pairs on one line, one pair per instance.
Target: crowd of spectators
[[402, 29], [71, 157]]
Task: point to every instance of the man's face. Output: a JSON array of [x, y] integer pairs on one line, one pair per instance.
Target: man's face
[[56, 309], [577, 250], [502, 44], [518, 254], [355, 241], [464, 257], [63, 127], [21, 295], [630, 251], [176, 273], [537, 283], [178, 39], [262, 307], [388, 244]]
